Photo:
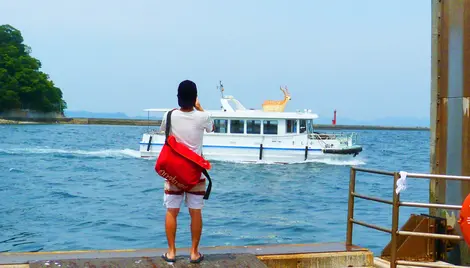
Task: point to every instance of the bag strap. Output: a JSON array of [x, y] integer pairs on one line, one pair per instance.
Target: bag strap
[[168, 124], [209, 186]]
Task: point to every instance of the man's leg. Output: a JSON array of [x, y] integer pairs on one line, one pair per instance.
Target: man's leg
[[195, 203], [172, 203], [196, 230], [170, 227]]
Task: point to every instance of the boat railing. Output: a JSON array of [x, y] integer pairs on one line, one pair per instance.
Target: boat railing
[[343, 138], [397, 203], [354, 138], [320, 138]]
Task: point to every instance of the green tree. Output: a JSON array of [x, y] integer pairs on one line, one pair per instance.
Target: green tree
[[22, 84]]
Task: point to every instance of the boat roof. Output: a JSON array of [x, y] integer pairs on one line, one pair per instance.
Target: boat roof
[[239, 111], [253, 114], [263, 115]]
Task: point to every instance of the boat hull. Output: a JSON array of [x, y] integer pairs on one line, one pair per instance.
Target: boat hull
[[351, 150], [150, 147]]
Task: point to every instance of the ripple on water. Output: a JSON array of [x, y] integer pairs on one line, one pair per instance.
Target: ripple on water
[[65, 195], [15, 170]]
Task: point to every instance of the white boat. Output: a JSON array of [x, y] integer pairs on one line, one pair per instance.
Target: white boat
[[270, 135]]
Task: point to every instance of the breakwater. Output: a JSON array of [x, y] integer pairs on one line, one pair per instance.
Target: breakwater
[[145, 122], [14, 122], [81, 121], [367, 127]]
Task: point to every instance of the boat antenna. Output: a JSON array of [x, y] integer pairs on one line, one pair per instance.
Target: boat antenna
[[221, 88]]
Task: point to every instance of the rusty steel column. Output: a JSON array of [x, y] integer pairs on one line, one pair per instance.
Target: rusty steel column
[[350, 224], [450, 99]]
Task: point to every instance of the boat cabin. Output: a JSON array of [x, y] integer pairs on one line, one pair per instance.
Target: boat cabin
[[262, 123], [235, 119]]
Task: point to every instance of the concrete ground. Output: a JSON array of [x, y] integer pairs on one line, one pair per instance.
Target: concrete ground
[[322, 255]]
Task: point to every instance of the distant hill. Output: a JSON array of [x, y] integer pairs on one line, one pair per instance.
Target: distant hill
[[386, 121], [87, 114], [117, 115]]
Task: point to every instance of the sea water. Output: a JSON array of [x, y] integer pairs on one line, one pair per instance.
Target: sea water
[[76, 187]]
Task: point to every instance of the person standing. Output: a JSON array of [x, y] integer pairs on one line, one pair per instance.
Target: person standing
[[188, 124]]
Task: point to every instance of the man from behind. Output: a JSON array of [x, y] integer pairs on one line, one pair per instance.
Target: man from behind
[[187, 125]]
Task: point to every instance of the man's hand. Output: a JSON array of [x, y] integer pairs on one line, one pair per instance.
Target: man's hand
[[198, 106]]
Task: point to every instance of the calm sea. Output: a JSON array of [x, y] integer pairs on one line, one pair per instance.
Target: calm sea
[[71, 187]]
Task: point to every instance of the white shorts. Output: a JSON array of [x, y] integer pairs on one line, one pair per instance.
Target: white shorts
[[192, 201]]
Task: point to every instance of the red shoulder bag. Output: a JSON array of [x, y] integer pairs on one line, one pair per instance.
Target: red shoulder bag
[[180, 165]]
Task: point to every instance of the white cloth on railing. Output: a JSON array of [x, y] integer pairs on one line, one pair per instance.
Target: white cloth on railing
[[401, 183]]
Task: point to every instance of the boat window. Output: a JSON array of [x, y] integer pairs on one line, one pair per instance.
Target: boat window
[[237, 126], [253, 126], [310, 126], [220, 125], [270, 127], [303, 125], [291, 126]]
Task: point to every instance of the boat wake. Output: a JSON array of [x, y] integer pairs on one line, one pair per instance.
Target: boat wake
[[110, 153], [330, 160], [339, 162], [129, 153]]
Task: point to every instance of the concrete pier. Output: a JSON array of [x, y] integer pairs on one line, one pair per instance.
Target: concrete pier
[[292, 255]]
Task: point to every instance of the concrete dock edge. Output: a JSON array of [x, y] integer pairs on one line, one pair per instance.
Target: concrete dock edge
[[283, 255]]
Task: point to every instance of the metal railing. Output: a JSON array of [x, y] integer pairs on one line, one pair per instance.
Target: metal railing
[[396, 203], [316, 136], [343, 138]]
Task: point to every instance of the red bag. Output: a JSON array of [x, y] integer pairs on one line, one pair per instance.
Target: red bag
[[180, 165], [464, 219]]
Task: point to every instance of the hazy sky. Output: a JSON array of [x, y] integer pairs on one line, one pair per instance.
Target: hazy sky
[[367, 59]]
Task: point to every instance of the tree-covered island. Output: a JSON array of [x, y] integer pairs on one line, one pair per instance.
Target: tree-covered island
[[22, 85]]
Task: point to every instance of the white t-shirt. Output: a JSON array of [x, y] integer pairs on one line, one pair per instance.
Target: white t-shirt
[[188, 127]]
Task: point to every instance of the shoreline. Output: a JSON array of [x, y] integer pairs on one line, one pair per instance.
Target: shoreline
[[145, 122], [15, 122]]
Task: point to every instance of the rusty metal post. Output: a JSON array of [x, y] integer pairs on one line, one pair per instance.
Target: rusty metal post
[[437, 187], [450, 107], [352, 189], [395, 220]]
